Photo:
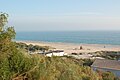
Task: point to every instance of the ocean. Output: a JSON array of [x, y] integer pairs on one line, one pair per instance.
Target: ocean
[[87, 37]]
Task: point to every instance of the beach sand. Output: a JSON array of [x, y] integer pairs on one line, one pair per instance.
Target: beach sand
[[75, 48]]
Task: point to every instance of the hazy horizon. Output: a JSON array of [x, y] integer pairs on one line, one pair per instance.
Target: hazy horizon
[[17, 30], [63, 15]]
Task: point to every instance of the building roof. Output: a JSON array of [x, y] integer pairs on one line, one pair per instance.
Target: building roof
[[108, 64]]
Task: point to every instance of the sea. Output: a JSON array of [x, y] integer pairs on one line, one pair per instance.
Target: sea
[[85, 37]]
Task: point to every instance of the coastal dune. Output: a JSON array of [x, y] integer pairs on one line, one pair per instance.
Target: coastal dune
[[75, 48]]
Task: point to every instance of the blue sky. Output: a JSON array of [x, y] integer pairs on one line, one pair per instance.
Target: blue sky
[[62, 15]]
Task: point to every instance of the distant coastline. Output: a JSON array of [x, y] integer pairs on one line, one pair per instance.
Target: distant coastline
[[75, 37], [68, 43]]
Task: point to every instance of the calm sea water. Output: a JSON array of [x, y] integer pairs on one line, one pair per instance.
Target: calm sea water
[[88, 37]]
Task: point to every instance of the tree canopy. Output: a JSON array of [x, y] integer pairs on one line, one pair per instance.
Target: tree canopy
[[6, 33]]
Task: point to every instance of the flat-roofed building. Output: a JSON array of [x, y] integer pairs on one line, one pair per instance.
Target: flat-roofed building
[[107, 65], [54, 53]]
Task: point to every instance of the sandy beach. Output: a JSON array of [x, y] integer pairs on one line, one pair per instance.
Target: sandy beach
[[75, 48]]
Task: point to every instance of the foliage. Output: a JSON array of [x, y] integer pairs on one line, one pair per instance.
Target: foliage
[[31, 47], [12, 61], [106, 75], [88, 62], [57, 68], [6, 34], [113, 55]]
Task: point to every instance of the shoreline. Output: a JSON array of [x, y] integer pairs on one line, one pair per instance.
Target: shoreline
[[110, 45], [74, 47]]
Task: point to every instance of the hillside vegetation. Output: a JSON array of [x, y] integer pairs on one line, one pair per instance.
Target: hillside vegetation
[[16, 64]]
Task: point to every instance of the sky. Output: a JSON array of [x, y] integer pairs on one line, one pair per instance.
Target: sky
[[62, 15]]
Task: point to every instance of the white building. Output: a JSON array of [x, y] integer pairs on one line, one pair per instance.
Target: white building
[[55, 53]]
